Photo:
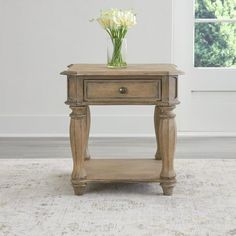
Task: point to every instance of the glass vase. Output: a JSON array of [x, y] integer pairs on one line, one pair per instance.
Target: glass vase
[[116, 53]]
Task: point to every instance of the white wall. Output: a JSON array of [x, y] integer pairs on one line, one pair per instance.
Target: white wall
[[39, 38]]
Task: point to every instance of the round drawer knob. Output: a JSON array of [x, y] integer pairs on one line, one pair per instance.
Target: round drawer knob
[[123, 90]]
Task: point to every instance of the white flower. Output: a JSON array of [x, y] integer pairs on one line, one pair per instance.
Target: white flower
[[115, 18]]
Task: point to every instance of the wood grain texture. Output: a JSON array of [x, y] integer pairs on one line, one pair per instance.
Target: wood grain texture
[[132, 69], [74, 91], [157, 125], [88, 121], [122, 90], [167, 142], [153, 84], [78, 140], [118, 170], [115, 90]]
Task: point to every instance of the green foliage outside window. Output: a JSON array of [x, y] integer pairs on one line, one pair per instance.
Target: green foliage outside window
[[215, 42]]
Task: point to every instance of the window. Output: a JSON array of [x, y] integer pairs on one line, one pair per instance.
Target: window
[[215, 33]]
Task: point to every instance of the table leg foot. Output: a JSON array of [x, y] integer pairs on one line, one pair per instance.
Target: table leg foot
[[79, 189], [168, 186]]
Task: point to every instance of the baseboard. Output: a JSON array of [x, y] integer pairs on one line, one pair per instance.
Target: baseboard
[[124, 135], [205, 134]]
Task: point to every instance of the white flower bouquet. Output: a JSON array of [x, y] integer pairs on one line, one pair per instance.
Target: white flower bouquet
[[116, 23]]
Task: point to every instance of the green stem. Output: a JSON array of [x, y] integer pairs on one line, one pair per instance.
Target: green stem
[[117, 37]]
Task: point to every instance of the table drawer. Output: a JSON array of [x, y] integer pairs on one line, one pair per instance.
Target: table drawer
[[122, 90]]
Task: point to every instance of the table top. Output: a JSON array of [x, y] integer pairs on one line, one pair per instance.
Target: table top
[[132, 69]]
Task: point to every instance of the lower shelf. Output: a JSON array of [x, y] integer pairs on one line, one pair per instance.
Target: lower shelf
[[123, 170]]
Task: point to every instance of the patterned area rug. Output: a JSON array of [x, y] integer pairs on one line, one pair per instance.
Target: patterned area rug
[[36, 198]]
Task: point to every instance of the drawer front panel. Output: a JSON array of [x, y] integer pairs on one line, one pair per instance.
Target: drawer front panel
[[122, 90]]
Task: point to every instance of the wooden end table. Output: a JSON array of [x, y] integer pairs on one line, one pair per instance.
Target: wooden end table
[[94, 84]]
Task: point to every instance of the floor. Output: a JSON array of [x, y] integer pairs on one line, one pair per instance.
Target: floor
[[36, 197], [195, 147]]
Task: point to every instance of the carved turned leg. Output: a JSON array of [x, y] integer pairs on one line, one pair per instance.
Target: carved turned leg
[[87, 155], [167, 142], [78, 140], [157, 124]]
